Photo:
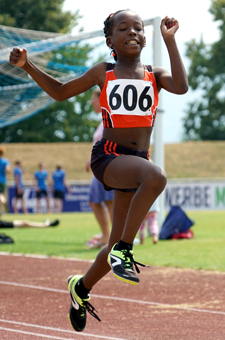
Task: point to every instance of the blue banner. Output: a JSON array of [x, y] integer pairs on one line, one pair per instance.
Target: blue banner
[[76, 201]]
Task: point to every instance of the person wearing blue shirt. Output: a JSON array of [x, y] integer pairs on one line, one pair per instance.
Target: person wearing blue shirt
[[59, 185], [18, 177], [40, 177], [4, 168]]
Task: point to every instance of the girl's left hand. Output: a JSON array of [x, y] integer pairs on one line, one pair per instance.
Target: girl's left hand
[[169, 26]]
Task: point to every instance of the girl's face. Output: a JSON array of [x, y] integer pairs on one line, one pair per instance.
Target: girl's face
[[127, 34]]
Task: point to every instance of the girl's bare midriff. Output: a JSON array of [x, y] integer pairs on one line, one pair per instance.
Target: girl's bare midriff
[[133, 138]]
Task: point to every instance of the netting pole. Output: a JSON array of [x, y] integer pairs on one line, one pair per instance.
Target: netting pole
[[158, 156]]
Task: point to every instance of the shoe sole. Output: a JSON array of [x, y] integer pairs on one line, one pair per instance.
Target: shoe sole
[[126, 280], [120, 277], [71, 320]]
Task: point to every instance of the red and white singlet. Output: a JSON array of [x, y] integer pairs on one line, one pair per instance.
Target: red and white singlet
[[128, 103]]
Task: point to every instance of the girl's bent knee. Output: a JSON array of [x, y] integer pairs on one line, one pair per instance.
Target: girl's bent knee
[[164, 178], [161, 174], [159, 180]]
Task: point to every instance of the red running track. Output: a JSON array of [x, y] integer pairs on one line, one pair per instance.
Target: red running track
[[168, 303]]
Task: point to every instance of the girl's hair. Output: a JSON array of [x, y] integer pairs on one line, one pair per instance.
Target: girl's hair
[[109, 21], [108, 25]]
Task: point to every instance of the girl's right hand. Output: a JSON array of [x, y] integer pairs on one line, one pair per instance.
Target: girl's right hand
[[18, 56]]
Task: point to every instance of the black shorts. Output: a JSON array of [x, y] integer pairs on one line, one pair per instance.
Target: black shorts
[[17, 194], [41, 193], [58, 194], [104, 152], [4, 224]]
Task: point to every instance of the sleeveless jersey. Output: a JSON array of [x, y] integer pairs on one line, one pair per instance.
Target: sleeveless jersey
[[128, 103]]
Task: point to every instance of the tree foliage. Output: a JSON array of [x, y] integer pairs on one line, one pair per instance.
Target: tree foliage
[[70, 120], [205, 117], [57, 123], [38, 15]]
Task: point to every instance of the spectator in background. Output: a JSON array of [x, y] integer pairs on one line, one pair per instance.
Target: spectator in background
[[40, 177], [100, 200], [4, 168], [18, 177], [28, 224], [152, 224], [59, 186]]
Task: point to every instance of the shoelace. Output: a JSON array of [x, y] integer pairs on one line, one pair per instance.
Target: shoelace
[[91, 310], [87, 305], [128, 265]]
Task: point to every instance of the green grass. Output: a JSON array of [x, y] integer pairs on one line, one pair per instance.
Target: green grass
[[206, 251]]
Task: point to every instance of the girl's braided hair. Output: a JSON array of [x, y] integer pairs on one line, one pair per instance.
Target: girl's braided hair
[[108, 24]]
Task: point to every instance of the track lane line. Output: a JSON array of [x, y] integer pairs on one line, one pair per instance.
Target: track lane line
[[54, 330], [117, 298]]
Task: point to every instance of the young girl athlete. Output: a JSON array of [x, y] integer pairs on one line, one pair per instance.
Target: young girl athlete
[[129, 101]]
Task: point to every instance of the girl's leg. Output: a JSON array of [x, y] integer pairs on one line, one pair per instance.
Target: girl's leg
[[100, 267], [135, 172], [109, 205], [129, 209]]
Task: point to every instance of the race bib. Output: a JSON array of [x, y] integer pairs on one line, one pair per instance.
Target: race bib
[[130, 96]]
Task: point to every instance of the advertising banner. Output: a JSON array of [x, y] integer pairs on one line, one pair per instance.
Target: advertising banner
[[76, 201], [190, 194], [196, 195]]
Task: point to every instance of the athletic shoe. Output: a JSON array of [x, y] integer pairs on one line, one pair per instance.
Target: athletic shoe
[[121, 262], [54, 223], [77, 312]]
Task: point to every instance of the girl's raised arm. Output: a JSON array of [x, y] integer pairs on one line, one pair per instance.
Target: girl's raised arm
[[177, 81], [56, 89]]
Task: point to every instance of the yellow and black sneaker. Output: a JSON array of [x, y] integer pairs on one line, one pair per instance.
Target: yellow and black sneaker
[[121, 262], [77, 312]]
